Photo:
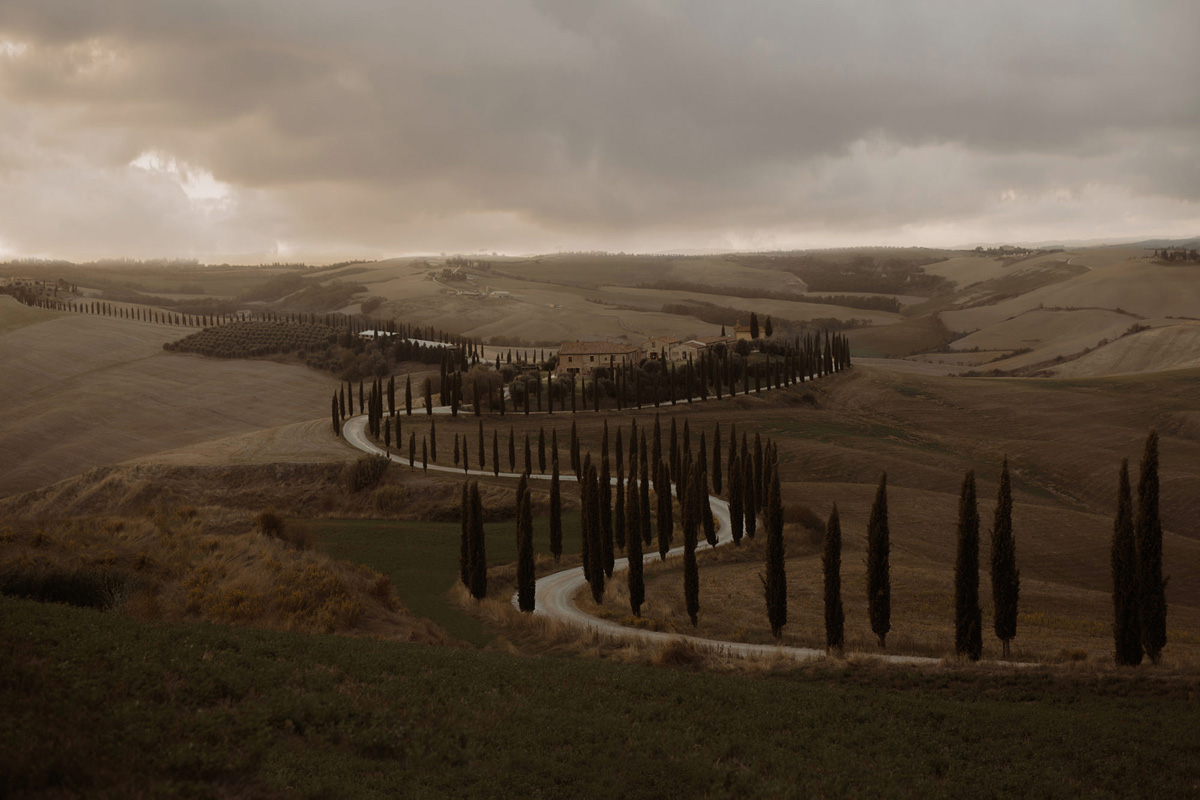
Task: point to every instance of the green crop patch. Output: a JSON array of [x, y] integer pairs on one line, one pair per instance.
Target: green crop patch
[[421, 559]]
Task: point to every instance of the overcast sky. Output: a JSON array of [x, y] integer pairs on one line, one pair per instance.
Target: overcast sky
[[314, 129]]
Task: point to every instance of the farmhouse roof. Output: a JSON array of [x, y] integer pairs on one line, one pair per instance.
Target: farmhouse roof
[[595, 348]]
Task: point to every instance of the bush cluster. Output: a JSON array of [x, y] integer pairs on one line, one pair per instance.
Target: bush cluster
[[257, 338], [365, 472]]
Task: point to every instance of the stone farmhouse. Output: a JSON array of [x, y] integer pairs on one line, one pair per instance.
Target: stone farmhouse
[[581, 358]]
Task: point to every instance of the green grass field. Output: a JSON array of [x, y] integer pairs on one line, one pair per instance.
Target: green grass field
[[421, 559], [99, 705]]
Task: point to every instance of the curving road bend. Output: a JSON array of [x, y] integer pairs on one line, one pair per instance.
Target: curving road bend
[[554, 592]]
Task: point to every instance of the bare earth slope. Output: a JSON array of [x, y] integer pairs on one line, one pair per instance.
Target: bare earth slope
[[82, 391]]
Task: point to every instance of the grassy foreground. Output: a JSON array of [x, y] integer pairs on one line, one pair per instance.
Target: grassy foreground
[[96, 704]]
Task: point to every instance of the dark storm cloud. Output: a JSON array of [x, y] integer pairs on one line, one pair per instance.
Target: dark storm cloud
[[497, 123]]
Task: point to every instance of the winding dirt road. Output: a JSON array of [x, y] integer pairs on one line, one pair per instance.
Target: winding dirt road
[[554, 593]]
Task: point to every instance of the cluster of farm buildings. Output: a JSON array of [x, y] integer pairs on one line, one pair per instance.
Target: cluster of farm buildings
[[581, 358]]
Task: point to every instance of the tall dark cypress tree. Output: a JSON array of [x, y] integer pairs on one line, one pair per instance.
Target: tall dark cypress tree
[[775, 580], [555, 513], [761, 475], [428, 397], [495, 452], [526, 580], [478, 546], [666, 522], [637, 588], [831, 563], [1006, 578], [482, 447], [464, 545], [717, 477], [1152, 600], [408, 395], [879, 581], [337, 428], [644, 499], [595, 546], [1127, 624], [528, 456], [736, 512], [691, 573], [619, 523], [704, 508], [673, 451], [604, 499], [633, 509], [433, 439], [968, 618], [749, 507]]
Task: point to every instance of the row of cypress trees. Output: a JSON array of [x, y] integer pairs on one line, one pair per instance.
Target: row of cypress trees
[[1139, 589]]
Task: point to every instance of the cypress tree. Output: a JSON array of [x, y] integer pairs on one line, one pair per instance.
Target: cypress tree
[[691, 573], [637, 588], [633, 510], [482, 447], [1006, 578], [666, 523], [775, 580], [542, 450], [619, 506], [433, 439], [391, 395], [495, 452], [526, 580], [736, 519], [674, 451], [342, 401], [478, 546], [408, 395], [831, 563], [428, 398], [1152, 601], [716, 461], [412, 451], [749, 507], [604, 500], [704, 507], [879, 582], [575, 463], [585, 521], [644, 512], [555, 513], [528, 456], [464, 545], [424, 454], [457, 453], [968, 622], [337, 428], [732, 454], [595, 546], [466, 456], [761, 474], [1127, 627]]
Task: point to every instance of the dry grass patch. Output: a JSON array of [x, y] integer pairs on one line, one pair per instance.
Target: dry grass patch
[[173, 567]]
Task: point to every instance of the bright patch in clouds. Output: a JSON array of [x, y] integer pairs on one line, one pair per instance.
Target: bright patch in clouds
[[11, 49], [205, 191]]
